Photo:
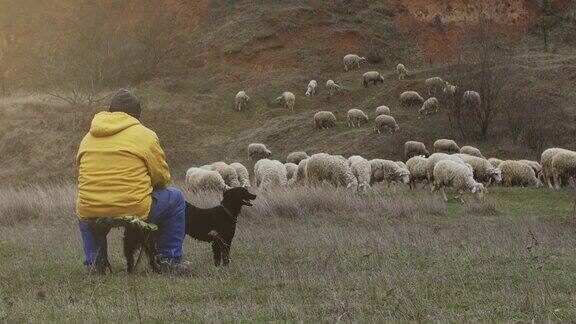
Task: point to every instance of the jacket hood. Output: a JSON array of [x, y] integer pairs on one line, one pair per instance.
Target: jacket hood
[[107, 123]]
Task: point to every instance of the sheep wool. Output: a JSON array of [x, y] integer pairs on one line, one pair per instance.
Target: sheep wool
[[382, 110], [198, 180], [401, 70], [270, 173], [356, 117], [415, 148], [385, 123], [471, 150], [296, 157], [351, 60], [563, 167], [335, 170], [546, 162], [291, 170], [332, 87], [515, 173], [372, 76], [311, 89], [456, 175], [241, 100], [446, 146], [430, 106], [417, 166], [288, 98], [483, 171], [388, 171], [324, 120], [257, 151], [362, 171], [410, 98], [242, 172]]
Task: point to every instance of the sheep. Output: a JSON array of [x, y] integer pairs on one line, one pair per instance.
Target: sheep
[[450, 91], [311, 89], [257, 151], [563, 167], [291, 170], [270, 173], [352, 59], [324, 120], [332, 87], [242, 172], [456, 175], [227, 172], [372, 76], [414, 148], [435, 85], [535, 166], [382, 110], [429, 106], [446, 146], [362, 171], [300, 175], [385, 122], [483, 171], [546, 161], [495, 162], [471, 100], [356, 117], [417, 166], [471, 150], [296, 157], [437, 157], [518, 173], [289, 99], [324, 167], [401, 70], [241, 100], [198, 179], [389, 172], [411, 98]]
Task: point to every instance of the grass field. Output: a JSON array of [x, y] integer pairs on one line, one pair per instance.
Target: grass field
[[310, 255]]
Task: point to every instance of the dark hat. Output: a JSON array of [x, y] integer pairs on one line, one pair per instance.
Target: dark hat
[[124, 101]]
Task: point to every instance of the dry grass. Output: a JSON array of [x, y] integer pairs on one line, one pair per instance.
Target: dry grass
[[308, 255]]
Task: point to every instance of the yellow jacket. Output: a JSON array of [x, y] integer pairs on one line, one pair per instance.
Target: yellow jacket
[[119, 162]]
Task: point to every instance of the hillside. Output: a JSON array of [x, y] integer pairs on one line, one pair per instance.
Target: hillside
[[269, 48]]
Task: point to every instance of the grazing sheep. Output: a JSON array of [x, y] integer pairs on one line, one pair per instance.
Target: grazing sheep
[[401, 70], [300, 175], [332, 87], [471, 100], [242, 172], [535, 166], [430, 106], [241, 100], [324, 167], [471, 150], [270, 173], [411, 98], [198, 179], [515, 173], [324, 120], [437, 157], [389, 172], [450, 91], [257, 151], [289, 99], [362, 171], [456, 175], [446, 146], [227, 172], [291, 170], [356, 117], [435, 85], [372, 76], [382, 110], [296, 157], [414, 148], [385, 123], [495, 162], [546, 161], [483, 171], [417, 166], [563, 167], [352, 60], [311, 90]]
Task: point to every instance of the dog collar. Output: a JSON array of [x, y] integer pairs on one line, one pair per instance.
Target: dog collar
[[229, 214]]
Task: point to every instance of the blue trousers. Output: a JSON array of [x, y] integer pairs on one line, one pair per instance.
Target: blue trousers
[[168, 212]]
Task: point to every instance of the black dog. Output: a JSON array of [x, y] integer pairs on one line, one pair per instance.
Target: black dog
[[218, 224]]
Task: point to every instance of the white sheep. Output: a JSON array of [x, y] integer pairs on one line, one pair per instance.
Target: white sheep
[[269, 173], [362, 171], [411, 98], [563, 167], [446, 146], [495, 162], [483, 171], [415, 148], [356, 117], [291, 170], [241, 100], [471, 100], [437, 157], [333, 169], [242, 172], [324, 120], [288, 98], [389, 172], [515, 173], [537, 167], [382, 110], [435, 85], [417, 166], [456, 175], [401, 70], [227, 172], [351, 60], [296, 157], [450, 91], [372, 76], [311, 89], [300, 175], [430, 106], [332, 87], [471, 150], [385, 123], [198, 179], [546, 161], [257, 151]]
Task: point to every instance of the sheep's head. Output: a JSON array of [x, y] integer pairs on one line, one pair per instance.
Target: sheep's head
[[478, 189], [268, 153], [426, 153], [363, 60], [496, 175], [396, 128]]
